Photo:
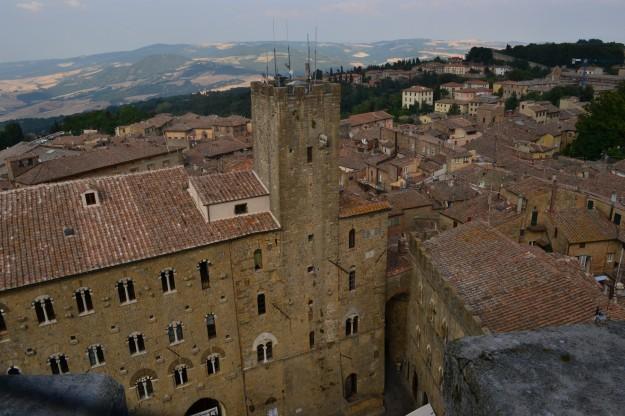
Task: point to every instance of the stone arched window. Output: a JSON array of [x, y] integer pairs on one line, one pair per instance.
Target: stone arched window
[[212, 364], [351, 325], [58, 364], [168, 281], [145, 389], [136, 343], [174, 333], [84, 303], [263, 346], [44, 310], [181, 376], [95, 353]]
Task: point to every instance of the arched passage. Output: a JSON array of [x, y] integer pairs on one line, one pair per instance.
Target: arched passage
[[206, 407], [395, 318]]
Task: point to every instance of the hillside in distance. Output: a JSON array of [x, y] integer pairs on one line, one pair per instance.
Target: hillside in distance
[[55, 87]]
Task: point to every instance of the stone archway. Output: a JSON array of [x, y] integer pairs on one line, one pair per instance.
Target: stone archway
[[395, 332], [206, 407]]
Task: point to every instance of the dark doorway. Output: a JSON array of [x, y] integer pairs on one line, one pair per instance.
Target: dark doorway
[[205, 407]]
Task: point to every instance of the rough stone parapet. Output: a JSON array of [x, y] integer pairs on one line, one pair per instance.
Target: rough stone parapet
[[569, 370]]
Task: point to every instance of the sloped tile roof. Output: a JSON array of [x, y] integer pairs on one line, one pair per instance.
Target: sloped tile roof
[[512, 287], [223, 187], [139, 216], [69, 166], [581, 225], [351, 205]]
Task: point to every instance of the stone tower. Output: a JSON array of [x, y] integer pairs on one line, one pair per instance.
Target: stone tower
[[295, 155]]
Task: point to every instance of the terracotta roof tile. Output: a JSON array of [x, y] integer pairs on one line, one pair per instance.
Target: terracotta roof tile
[[581, 225], [351, 205], [140, 216], [66, 167], [513, 287], [223, 187]]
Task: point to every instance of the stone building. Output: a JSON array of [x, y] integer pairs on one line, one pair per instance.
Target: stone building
[[207, 294], [467, 282]]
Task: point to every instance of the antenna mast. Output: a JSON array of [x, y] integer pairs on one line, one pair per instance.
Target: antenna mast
[[288, 50], [308, 60], [315, 76]]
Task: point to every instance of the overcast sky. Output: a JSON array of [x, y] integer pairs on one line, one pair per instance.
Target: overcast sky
[[36, 29]]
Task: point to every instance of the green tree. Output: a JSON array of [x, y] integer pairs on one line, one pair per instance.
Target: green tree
[[11, 134], [602, 130], [513, 102], [454, 110]]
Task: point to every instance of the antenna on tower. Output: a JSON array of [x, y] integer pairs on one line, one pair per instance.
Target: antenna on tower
[[315, 76], [308, 60], [288, 50]]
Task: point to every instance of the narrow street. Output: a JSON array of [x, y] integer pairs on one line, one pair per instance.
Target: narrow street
[[397, 399]]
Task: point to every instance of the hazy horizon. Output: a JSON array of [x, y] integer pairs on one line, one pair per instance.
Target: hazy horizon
[[49, 29]]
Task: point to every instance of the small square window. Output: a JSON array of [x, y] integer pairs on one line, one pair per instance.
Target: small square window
[[240, 209], [311, 269], [311, 237], [90, 198]]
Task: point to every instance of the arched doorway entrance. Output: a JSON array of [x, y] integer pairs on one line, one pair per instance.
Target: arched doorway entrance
[[395, 331], [206, 407]]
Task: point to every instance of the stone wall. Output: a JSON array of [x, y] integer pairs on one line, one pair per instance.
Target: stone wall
[[554, 371]]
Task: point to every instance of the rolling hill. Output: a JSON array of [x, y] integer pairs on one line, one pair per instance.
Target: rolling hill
[[49, 88]]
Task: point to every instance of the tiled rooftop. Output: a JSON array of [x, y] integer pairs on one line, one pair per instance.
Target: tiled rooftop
[[223, 187], [139, 216], [66, 167], [513, 287]]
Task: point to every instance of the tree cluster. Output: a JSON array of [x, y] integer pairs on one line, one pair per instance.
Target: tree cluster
[[595, 51], [601, 132], [11, 134]]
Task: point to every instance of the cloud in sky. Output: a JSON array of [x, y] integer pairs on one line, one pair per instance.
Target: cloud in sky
[[67, 28], [73, 3], [30, 6]]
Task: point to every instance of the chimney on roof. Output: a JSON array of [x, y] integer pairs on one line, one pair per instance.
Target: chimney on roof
[[519, 204]]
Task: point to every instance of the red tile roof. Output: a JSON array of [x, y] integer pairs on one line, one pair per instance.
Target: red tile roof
[[71, 166], [513, 287], [581, 225], [223, 187], [351, 205], [365, 118], [140, 216]]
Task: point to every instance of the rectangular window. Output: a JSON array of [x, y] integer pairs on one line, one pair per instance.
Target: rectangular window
[[204, 274], [309, 154], [260, 303], [211, 328], [311, 269], [90, 198], [617, 219], [590, 204], [609, 258], [96, 355], [311, 339], [352, 280], [240, 209], [3, 325]]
